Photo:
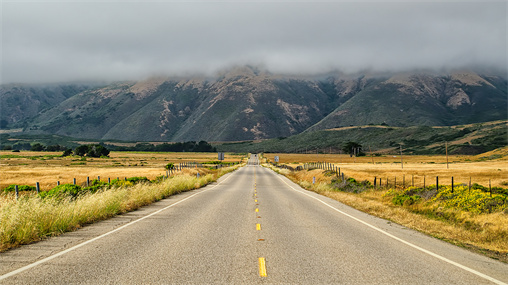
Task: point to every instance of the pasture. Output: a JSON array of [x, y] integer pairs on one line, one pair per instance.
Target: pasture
[[480, 169], [28, 167]]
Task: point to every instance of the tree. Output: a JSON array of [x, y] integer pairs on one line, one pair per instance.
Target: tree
[[81, 150], [91, 150], [97, 150], [37, 147], [353, 148], [67, 152]]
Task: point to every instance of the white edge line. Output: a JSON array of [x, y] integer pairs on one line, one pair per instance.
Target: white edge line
[[24, 268], [401, 240]]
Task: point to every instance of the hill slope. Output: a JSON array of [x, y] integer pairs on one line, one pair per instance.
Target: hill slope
[[245, 103]]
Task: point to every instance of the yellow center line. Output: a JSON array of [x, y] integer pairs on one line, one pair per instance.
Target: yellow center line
[[262, 267], [258, 227], [256, 200], [257, 210]]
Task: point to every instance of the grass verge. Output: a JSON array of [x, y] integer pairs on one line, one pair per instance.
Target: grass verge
[[32, 218], [484, 232]]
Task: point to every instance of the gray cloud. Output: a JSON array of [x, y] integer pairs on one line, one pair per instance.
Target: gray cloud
[[61, 41]]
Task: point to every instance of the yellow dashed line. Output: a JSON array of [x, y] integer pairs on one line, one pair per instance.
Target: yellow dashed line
[[262, 267], [257, 210], [256, 200], [258, 227]]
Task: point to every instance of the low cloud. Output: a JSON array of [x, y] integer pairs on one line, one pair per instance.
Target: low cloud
[[63, 41]]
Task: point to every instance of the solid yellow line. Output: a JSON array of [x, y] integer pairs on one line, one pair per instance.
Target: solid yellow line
[[258, 227], [262, 267], [257, 210]]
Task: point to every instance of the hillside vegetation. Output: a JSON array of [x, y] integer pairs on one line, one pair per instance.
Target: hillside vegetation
[[462, 139], [246, 103]]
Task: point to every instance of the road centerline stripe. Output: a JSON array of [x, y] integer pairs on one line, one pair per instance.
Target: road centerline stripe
[[262, 267]]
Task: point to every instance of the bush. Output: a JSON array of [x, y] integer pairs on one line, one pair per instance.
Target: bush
[[121, 183], [170, 166], [12, 188], [350, 185], [63, 191], [95, 185], [136, 180]]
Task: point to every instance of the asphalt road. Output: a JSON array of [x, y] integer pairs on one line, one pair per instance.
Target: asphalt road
[[252, 227]]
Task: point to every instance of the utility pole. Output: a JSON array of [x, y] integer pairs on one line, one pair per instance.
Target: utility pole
[[401, 160], [446, 147]]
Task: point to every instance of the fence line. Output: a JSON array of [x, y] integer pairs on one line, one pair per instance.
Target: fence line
[[377, 182]]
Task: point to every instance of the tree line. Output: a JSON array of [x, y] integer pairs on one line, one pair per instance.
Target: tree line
[[190, 146], [98, 150]]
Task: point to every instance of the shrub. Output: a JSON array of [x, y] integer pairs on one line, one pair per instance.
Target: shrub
[[63, 191], [121, 183], [12, 188], [350, 185], [136, 180], [475, 201], [95, 185]]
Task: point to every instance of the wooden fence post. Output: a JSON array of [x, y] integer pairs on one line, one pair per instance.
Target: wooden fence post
[[16, 189], [37, 187], [375, 178], [58, 183], [87, 181], [74, 181], [452, 184], [437, 183]]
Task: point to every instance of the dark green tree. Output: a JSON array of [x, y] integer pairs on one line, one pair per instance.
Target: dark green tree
[[353, 148], [67, 152], [97, 150], [37, 147], [81, 150]]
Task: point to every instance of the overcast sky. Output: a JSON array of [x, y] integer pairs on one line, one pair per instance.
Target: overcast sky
[[55, 41]]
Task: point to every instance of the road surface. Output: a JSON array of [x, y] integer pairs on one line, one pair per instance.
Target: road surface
[[251, 227]]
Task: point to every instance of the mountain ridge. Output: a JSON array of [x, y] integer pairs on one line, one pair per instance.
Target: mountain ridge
[[247, 103]]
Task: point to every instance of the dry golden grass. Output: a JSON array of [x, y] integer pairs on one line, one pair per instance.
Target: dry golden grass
[[27, 167], [486, 233], [417, 168], [31, 218]]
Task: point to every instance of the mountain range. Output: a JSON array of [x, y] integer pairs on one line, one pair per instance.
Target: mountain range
[[247, 103]]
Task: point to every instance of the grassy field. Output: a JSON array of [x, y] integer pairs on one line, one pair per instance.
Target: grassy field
[[470, 218], [491, 166], [28, 167], [32, 218]]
